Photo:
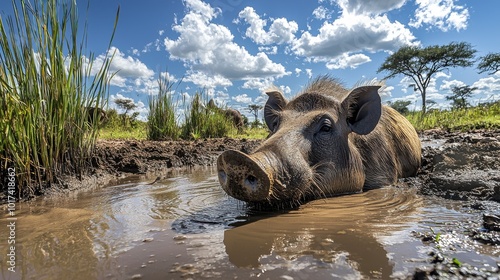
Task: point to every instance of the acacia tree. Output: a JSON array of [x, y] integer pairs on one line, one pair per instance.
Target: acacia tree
[[126, 104], [489, 63], [254, 109], [460, 95], [420, 64], [400, 106]]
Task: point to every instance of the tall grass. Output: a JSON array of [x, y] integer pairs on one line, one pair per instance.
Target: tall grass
[[45, 87], [162, 121], [479, 117], [204, 122]]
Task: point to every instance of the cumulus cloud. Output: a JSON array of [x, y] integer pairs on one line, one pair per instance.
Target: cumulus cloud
[[242, 98], [353, 33], [257, 83], [345, 60], [209, 51], [281, 30], [448, 85], [340, 43], [208, 81], [129, 72], [369, 7], [489, 86], [442, 14]]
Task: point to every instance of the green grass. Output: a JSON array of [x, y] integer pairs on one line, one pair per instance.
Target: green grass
[[162, 120], [479, 117], [45, 85], [137, 132], [202, 122], [251, 133]]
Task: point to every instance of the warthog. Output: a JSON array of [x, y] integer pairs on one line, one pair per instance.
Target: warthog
[[232, 114], [95, 113], [327, 141]]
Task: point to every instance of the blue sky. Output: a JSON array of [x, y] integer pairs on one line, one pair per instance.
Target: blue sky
[[235, 49]]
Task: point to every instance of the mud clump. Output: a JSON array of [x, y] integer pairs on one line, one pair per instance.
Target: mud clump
[[140, 157], [466, 166]]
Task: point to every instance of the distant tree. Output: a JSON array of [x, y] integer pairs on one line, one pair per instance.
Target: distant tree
[[126, 104], [254, 109], [420, 64], [460, 95], [431, 104], [489, 63], [245, 120], [400, 106]]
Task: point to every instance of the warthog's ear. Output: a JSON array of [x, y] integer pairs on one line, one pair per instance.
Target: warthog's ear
[[364, 107], [274, 105]]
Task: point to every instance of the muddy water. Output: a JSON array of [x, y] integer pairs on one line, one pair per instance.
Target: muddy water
[[185, 226]]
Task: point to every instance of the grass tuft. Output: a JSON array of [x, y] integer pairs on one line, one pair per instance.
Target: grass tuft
[[45, 89], [162, 121], [204, 122]]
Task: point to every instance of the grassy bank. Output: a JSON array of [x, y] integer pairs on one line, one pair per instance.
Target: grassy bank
[[480, 117], [46, 90]]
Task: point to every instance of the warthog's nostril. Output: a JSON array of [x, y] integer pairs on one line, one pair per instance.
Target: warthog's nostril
[[251, 182], [222, 177]]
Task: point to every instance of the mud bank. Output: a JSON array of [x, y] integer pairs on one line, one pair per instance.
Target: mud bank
[[116, 160], [461, 166], [458, 166]]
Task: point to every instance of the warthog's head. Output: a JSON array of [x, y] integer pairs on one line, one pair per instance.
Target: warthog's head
[[308, 153]]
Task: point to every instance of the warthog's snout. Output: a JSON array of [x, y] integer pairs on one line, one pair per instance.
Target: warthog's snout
[[242, 177]]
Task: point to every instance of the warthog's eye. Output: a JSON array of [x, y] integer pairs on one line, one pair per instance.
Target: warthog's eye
[[275, 125], [326, 126]]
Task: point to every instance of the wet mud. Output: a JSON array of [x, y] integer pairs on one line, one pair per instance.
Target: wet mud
[[150, 221]]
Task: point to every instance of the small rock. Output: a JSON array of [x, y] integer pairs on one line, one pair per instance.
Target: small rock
[[491, 222]]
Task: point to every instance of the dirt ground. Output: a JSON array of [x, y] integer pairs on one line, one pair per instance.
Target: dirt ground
[[459, 166], [464, 166]]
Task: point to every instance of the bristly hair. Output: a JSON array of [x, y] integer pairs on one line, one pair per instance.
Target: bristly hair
[[325, 84], [372, 82]]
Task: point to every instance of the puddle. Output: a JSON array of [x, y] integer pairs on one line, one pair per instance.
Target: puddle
[[186, 226]]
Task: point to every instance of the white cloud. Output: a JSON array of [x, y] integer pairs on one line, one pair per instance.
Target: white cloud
[[352, 33], [269, 50], [207, 81], [309, 73], [129, 72], [345, 60], [321, 13], [448, 85], [298, 71], [369, 7], [285, 89], [257, 83], [489, 86], [386, 92], [281, 30], [242, 98], [208, 50], [443, 14]]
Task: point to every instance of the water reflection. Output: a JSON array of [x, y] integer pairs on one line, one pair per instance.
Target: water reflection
[[185, 226], [338, 234]]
